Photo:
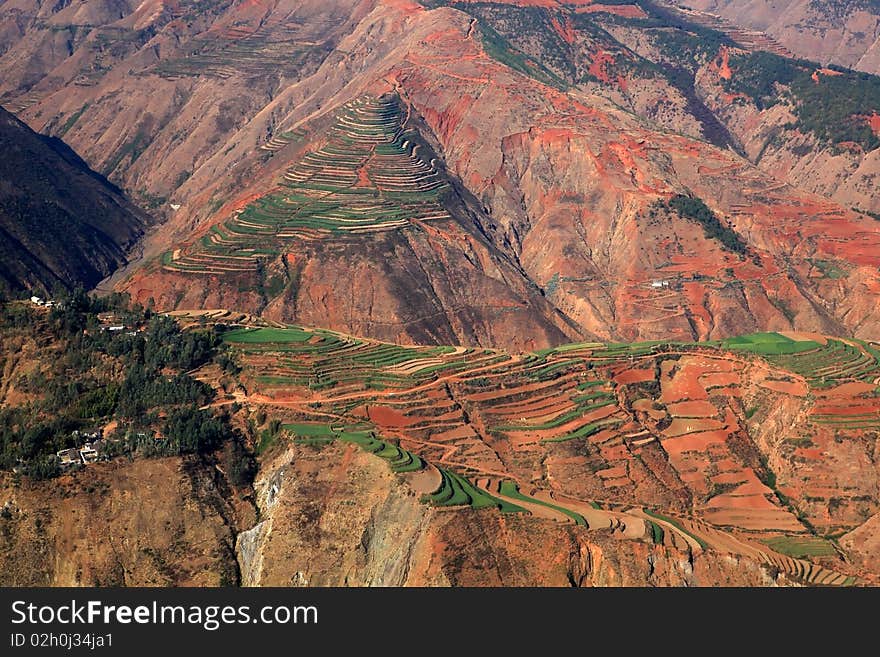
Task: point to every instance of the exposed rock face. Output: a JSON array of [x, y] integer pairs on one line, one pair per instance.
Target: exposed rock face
[[351, 524], [152, 522], [340, 518], [60, 222]]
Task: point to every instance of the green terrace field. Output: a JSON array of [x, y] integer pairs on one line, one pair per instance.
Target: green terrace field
[[823, 365], [802, 546], [495, 430], [453, 490], [769, 344], [510, 489], [370, 175], [315, 433], [267, 335], [294, 355], [456, 490], [574, 407]]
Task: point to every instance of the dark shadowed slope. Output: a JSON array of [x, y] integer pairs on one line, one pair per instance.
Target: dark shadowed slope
[[60, 222]]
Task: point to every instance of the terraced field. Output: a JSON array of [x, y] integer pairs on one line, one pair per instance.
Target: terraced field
[[841, 373], [369, 175], [274, 46], [650, 441], [823, 362]]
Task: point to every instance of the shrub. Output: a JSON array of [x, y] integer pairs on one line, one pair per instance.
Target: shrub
[[693, 208]]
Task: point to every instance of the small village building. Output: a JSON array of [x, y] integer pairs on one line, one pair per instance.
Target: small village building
[[68, 457], [90, 452]]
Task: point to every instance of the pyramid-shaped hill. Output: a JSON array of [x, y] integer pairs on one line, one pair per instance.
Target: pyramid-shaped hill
[[365, 233], [368, 176]]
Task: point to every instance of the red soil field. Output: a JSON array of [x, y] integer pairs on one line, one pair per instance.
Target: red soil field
[[388, 417], [729, 477], [692, 409], [799, 336], [851, 389], [753, 486], [714, 379], [811, 453], [683, 426], [694, 442], [457, 433], [727, 465], [754, 519], [866, 408], [684, 384], [634, 376], [642, 405], [796, 388], [617, 472]]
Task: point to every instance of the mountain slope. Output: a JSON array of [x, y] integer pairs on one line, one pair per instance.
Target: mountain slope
[[805, 124], [143, 90], [562, 133], [844, 32], [573, 188], [60, 222]]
